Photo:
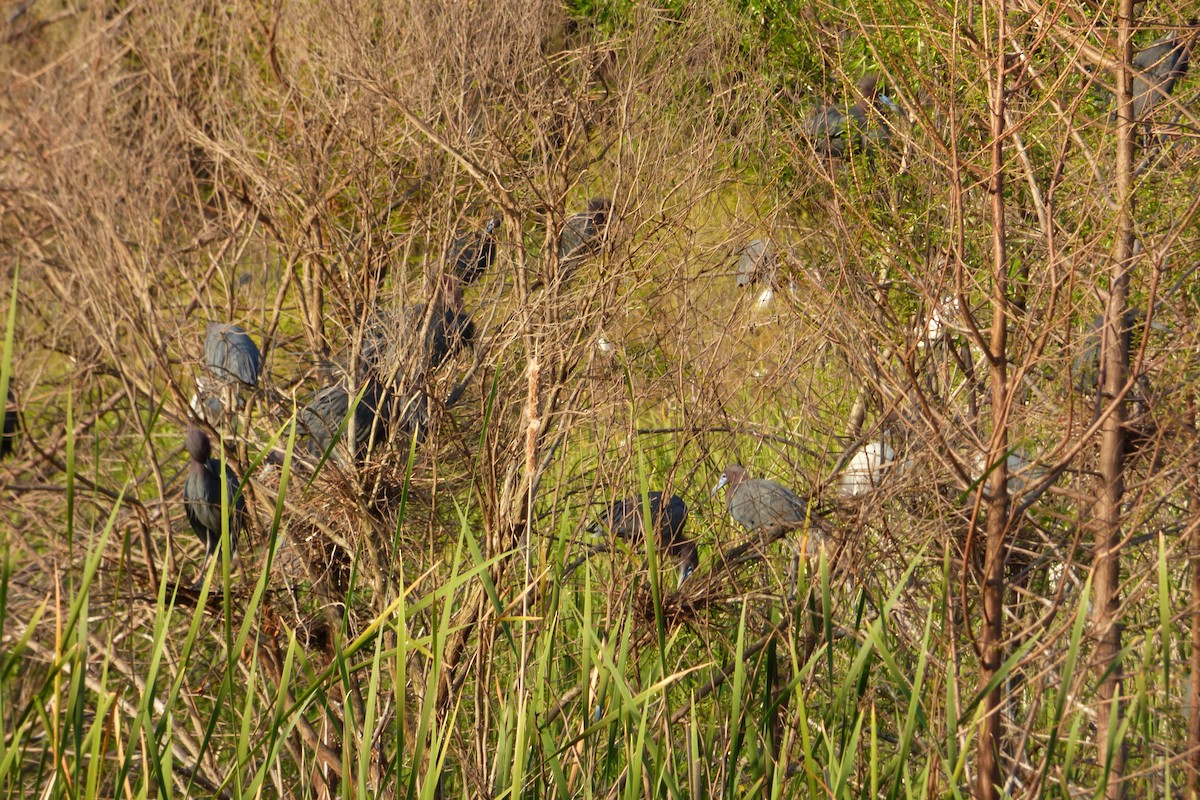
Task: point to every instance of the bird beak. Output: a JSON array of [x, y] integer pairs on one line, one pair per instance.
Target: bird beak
[[720, 484]]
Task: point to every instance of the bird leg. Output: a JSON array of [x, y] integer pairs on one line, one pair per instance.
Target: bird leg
[[199, 583]]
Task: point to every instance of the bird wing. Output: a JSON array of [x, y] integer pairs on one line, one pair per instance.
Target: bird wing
[[230, 354], [194, 511], [199, 492], [775, 504], [625, 519]]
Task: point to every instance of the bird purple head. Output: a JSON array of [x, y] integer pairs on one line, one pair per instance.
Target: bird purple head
[[197, 445], [733, 475]]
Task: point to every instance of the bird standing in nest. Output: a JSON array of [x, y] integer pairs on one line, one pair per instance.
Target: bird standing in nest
[[769, 509]]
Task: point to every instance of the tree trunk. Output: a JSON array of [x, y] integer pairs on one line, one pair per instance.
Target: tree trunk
[[1114, 359], [991, 637]]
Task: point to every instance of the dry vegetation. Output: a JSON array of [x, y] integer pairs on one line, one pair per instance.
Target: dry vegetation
[[1010, 610]]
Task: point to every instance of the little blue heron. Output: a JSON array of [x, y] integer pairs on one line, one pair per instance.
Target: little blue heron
[[329, 410], [836, 131], [768, 509], [1157, 69], [472, 254], [202, 498], [233, 363], [623, 519], [231, 355], [1086, 365], [449, 331], [582, 230], [418, 339], [761, 505]]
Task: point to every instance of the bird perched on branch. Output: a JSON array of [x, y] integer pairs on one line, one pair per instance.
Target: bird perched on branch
[[404, 347], [581, 232], [329, 410], [202, 499], [757, 264], [836, 131], [472, 254], [450, 330], [233, 364], [624, 519], [761, 505], [1087, 365], [867, 469], [1157, 69]]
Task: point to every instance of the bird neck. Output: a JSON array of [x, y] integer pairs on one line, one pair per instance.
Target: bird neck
[[198, 468]]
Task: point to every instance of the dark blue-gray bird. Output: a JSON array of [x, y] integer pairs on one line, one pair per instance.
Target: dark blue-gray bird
[[230, 355], [760, 505], [756, 263], [449, 330], [202, 498], [8, 439], [581, 232], [329, 411], [836, 131], [1157, 69], [472, 254], [233, 363], [404, 347], [623, 519]]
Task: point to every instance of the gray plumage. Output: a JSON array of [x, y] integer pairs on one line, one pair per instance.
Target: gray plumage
[[837, 131], [377, 346], [328, 412], [756, 263], [1157, 69], [206, 406], [232, 363], [581, 232], [8, 440], [202, 497], [450, 331], [472, 254], [420, 340], [760, 505], [623, 519], [230, 355]]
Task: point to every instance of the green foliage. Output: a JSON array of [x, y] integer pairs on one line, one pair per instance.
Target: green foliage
[[439, 644]]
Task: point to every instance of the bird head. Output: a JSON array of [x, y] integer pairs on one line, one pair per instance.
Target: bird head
[[197, 444], [599, 208], [687, 559], [731, 477], [868, 85]]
